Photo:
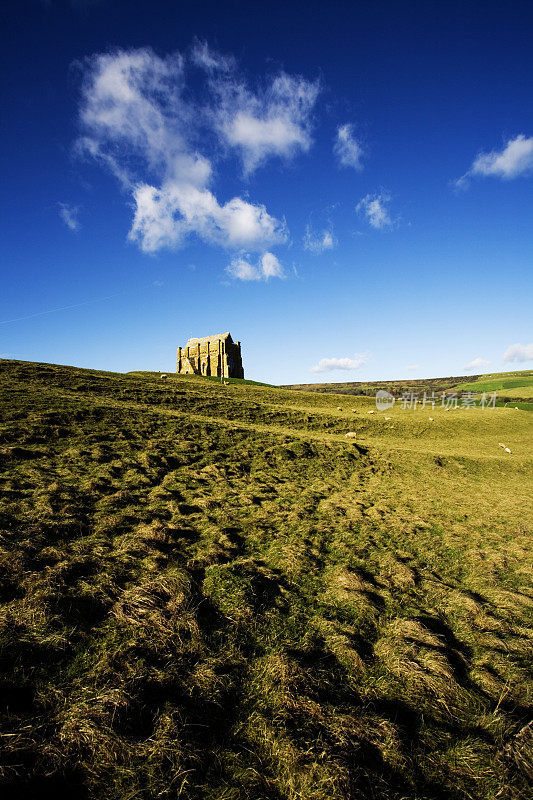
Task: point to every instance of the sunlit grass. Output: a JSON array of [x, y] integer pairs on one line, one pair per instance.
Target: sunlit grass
[[208, 591]]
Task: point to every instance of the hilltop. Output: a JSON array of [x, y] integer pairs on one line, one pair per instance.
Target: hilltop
[[208, 591]]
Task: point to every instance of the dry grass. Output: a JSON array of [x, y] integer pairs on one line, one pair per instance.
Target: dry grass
[[208, 592]]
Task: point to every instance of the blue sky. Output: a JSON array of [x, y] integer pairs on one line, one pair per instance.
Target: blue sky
[[346, 187]]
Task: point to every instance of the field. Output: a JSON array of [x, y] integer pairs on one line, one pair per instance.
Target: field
[[509, 385], [209, 592]]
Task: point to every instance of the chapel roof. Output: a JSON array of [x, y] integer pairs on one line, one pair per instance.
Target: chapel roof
[[203, 339]]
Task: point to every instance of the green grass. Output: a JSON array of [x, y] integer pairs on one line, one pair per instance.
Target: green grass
[[523, 406], [208, 591], [510, 385], [174, 376], [513, 384]]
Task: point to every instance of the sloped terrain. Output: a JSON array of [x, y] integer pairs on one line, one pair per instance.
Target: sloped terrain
[[208, 591], [508, 385]]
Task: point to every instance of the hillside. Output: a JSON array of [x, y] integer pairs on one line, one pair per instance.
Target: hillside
[[509, 385], [209, 592]]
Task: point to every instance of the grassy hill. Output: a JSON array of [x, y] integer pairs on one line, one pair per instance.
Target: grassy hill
[[209, 592], [513, 384], [509, 385]]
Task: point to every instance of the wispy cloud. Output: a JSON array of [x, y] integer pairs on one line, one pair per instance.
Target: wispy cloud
[[519, 352], [318, 242], [69, 215], [347, 364], [477, 363], [346, 147], [413, 367], [203, 56], [156, 129], [274, 121], [515, 159], [268, 266], [374, 208]]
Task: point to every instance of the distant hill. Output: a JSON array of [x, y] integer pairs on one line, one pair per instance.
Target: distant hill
[[509, 385]]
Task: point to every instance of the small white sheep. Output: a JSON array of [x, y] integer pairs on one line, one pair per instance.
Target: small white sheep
[[350, 435], [370, 412], [164, 377], [430, 419], [387, 418], [339, 408]]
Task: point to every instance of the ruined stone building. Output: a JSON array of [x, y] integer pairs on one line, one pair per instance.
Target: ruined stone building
[[211, 355]]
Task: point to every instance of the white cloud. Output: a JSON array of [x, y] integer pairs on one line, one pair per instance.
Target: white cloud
[[271, 267], [347, 148], [413, 367], [266, 267], [477, 363], [331, 364], [69, 215], [242, 270], [318, 242], [275, 121], [165, 216], [519, 352], [141, 119], [515, 159], [132, 106], [374, 208], [203, 56]]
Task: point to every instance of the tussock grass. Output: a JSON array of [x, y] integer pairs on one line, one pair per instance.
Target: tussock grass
[[208, 592]]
